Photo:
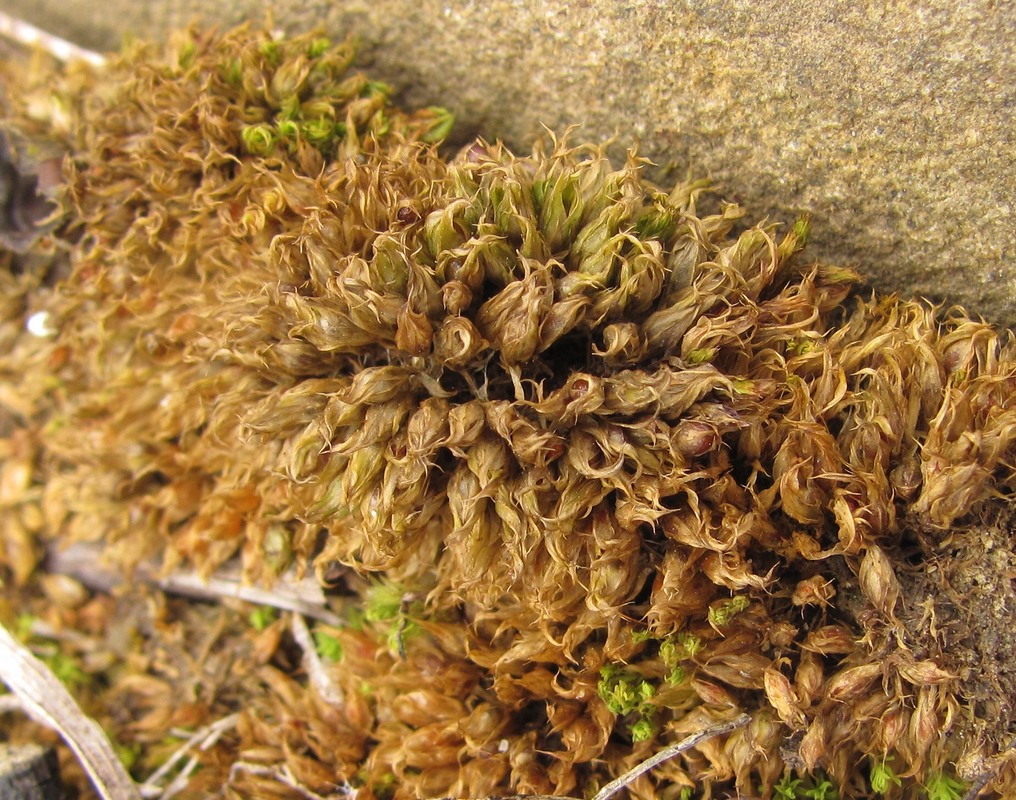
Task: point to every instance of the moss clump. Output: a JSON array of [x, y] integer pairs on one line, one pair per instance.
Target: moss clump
[[560, 403]]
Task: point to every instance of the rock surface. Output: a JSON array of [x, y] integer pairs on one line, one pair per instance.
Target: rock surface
[[892, 125]]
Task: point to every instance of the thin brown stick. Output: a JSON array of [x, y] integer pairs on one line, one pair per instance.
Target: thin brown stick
[[302, 595], [214, 732], [316, 672], [48, 702], [30, 36], [280, 774], [202, 739], [669, 752], [629, 777], [518, 797]]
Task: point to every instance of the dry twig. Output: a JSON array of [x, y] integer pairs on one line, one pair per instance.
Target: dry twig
[[202, 739], [687, 743], [316, 672], [280, 774], [48, 702], [30, 36], [629, 777], [302, 596]]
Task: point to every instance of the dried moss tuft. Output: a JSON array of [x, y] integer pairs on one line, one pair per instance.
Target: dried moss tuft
[[626, 464]]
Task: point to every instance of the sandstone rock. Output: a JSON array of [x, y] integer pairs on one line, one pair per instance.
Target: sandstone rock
[[892, 125]]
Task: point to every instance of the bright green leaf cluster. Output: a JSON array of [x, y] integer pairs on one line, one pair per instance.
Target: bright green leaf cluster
[[674, 650], [786, 788], [259, 140], [791, 788], [383, 602], [722, 615], [802, 229], [262, 616], [940, 786], [801, 346], [441, 124], [319, 47], [299, 92], [271, 52], [643, 730], [327, 646], [882, 777], [624, 692], [822, 790]]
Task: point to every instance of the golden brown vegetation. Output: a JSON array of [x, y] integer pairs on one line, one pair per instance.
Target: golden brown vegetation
[[617, 464]]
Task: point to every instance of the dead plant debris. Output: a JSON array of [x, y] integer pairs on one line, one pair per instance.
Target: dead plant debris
[[586, 465]]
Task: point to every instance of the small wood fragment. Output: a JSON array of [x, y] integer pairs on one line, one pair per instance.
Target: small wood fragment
[[29, 772]]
